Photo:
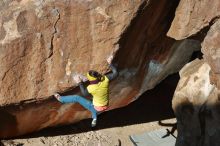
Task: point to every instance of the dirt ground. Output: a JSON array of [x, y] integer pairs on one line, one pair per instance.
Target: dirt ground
[[151, 111]]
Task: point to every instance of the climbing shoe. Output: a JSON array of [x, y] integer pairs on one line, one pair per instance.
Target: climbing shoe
[[94, 121], [57, 96]]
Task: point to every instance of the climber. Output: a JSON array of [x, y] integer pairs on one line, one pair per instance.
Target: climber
[[98, 88]]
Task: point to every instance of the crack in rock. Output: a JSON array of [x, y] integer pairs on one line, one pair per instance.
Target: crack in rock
[[54, 33]]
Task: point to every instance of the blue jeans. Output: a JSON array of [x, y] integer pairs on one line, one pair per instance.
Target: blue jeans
[[81, 100]]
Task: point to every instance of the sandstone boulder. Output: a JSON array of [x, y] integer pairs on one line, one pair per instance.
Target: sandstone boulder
[[196, 99], [44, 43], [192, 16], [211, 51], [196, 106]]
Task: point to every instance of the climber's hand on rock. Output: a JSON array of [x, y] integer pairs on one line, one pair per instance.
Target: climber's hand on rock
[[83, 78], [77, 79], [109, 59], [116, 48]]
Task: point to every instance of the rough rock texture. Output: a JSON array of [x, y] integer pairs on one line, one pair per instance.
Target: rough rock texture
[[196, 105], [192, 16], [44, 43], [211, 51]]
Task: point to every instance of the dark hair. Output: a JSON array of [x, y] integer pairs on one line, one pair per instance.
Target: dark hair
[[96, 75]]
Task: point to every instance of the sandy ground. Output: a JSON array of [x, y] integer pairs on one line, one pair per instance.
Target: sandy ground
[[104, 137], [114, 127]]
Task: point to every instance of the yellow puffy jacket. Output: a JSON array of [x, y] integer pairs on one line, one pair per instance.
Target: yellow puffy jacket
[[100, 92]]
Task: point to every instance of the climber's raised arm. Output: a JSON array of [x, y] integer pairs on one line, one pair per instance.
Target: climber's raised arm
[[114, 73]]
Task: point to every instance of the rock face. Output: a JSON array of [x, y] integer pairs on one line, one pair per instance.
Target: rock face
[[44, 43], [192, 16], [211, 51], [196, 105], [196, 100]]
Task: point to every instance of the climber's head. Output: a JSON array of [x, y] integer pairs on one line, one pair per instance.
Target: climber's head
[[94, 76]]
